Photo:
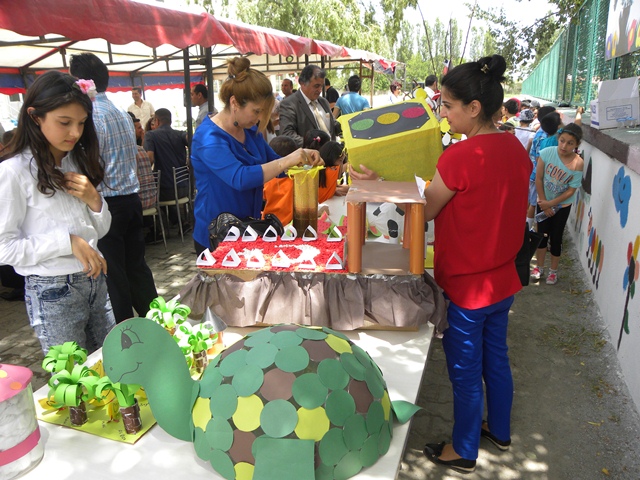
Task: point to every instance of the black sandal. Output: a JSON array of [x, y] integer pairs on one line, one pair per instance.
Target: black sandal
[[501, 444], [433, 451]]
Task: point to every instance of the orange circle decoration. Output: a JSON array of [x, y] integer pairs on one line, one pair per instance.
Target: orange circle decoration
[[388, 118]]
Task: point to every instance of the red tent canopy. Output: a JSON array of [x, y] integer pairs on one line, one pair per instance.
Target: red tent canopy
[[146, 42]]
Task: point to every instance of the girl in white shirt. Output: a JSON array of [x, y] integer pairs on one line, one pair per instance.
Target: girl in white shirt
[[53, 216]]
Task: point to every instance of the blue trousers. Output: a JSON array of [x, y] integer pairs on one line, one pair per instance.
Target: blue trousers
[[69, 308], [475, 345]]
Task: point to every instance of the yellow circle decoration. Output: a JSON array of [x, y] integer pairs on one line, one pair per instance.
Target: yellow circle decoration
[[3, 374], [338, 344], [420, 94], [244, 471], [386, 405], [247, 416], [388, 118], [201, 414], [312, 424]]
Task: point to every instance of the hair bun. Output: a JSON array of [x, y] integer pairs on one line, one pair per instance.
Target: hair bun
[[494, 66], [237, 68]]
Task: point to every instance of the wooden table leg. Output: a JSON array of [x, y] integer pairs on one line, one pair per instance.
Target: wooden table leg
[[416, 248], [354, 237]]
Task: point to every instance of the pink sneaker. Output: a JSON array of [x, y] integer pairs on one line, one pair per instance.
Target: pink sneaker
[[536, 273], [552, 278]]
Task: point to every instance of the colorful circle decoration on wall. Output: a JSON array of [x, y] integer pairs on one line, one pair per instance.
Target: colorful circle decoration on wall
[[391, 120]]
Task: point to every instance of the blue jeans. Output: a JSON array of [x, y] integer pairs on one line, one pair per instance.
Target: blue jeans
[[475, 345], [69, 308]]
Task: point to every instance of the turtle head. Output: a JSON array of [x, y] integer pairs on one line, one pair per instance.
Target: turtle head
[[137, 347]]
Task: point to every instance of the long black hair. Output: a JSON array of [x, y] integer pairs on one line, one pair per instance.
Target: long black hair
[[479, 81], [50, 91], [330, 152]]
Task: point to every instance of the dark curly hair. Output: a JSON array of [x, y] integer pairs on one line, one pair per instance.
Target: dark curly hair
[[49, 92]]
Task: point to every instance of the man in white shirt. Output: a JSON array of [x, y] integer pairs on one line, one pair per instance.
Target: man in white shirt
[[199, 97], [140, 108], [431, 86]]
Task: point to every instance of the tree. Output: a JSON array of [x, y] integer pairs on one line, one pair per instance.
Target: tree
[[523, 46]]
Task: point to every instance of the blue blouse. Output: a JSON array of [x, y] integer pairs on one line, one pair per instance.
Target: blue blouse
[[228, 175]]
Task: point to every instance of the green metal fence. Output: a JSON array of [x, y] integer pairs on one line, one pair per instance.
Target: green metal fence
[[575, 64]]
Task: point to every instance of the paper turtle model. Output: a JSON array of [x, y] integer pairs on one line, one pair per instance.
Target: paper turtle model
[[285, 402]]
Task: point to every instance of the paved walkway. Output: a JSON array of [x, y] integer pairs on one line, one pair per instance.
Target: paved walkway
[[572, 418]]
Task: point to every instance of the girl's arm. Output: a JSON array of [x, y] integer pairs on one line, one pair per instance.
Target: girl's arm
[[437, 196], [540, 180]]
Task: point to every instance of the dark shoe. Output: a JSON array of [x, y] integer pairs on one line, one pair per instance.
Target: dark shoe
[[501, 444], [14, 295], [433, 450]]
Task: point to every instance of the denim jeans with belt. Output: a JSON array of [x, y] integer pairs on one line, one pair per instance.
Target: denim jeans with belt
[[67, 308]]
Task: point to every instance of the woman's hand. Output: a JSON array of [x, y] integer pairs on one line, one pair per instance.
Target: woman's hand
[[307, 156], [365, 175], [80, 187], [92, 262]]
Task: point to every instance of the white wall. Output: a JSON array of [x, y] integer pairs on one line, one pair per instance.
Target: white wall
[[605, 224]]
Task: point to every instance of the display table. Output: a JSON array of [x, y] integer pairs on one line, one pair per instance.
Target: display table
[[70, 454]]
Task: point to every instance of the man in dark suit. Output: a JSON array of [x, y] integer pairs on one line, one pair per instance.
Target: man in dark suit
[[306, 109]]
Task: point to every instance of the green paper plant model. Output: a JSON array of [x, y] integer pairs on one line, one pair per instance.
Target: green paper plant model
[[64, 357], [126, 397], [72, 389], [195, 341], [168, 314]]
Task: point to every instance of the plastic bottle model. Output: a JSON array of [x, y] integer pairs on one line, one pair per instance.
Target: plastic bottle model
[[541, 216]]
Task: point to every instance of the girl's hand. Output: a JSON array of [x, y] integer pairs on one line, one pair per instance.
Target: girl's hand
[[93, 263], [342, 190], [549, 212], [544, 204], [80, 187]]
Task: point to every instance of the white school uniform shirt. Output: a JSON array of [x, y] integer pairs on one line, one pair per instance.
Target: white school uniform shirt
[[35, 227]]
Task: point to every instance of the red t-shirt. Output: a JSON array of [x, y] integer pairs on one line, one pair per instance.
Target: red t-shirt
[[480, 230]]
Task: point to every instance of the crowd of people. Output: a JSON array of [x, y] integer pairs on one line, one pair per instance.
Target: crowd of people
[[72, 230]]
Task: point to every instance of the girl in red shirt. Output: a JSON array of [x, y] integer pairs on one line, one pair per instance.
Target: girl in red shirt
[[478, 198]]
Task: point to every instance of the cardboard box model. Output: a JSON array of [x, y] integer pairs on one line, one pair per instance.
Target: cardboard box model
[[396, 141], [617, 99]]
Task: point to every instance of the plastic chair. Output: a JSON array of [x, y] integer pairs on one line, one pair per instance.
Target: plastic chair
[[152, 182], [182, 177]]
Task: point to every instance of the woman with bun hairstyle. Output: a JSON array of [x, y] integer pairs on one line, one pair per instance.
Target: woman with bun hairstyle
[[52, 215], [478, 198], [558, 175], [230, 157]]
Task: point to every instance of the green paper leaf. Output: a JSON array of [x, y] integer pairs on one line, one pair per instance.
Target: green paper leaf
[[404, 410]]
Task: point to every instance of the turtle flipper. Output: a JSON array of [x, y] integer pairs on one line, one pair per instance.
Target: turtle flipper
[[284, 459]]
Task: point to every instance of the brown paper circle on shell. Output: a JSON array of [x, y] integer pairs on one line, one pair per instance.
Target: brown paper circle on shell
[[277, 385], [361, 394], [319, 350]]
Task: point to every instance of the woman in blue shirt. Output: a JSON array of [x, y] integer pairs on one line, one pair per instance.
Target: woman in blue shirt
[[230, 158]]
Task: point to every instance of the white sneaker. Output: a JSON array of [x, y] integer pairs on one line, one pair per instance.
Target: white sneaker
[[552, 278], [536, 273]]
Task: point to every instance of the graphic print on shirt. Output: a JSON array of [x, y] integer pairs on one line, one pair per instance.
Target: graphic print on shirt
[[556, 180]]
